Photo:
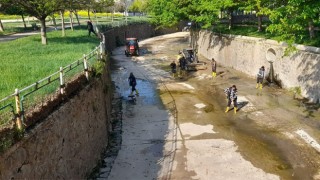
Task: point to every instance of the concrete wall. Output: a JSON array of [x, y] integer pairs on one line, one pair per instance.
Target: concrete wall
[[248, 54], [116, 36]]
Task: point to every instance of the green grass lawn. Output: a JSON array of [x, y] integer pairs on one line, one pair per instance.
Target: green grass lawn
[[25, 61], [251, 30]]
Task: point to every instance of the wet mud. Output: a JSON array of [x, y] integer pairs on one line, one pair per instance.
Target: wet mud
[[264, 146]]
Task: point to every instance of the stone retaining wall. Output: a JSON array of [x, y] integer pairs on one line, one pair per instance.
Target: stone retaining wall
[[68, 143], [248, 54]]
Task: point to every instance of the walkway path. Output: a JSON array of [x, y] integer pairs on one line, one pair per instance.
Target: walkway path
[[15, 36]]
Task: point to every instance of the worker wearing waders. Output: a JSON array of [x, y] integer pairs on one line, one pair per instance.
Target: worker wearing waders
[[173, 67], [260, 77], [231, 94], [133, 83], [182, 63], [214, 68]]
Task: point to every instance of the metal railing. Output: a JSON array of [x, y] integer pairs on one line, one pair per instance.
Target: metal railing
[[12, 107]]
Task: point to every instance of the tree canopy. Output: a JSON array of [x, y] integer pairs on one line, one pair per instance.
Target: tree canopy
[[289, 19], [292, 20]]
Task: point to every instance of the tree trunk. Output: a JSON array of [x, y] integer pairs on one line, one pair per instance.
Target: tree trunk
[[1, 26], [126, 14], [95, 16], [63, 29], [54, 22], [43, 31], [24, 22], [230, 19], [71, 20], [76, 13], [311, 30], [89, 14], [112, 15], [259, 23]]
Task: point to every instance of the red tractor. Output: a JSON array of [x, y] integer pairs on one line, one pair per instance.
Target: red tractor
[[132, 47]]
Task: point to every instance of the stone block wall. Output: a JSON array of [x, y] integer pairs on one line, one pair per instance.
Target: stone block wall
[[248, 54], [69, 142]]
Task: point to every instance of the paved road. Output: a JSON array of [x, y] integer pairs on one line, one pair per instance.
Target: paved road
[[17, 36]]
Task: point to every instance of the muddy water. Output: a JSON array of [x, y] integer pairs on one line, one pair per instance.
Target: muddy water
[[262, 144], [120, 74], [265, 147]]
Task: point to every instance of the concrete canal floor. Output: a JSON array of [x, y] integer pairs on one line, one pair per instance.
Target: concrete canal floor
[[177, 128]]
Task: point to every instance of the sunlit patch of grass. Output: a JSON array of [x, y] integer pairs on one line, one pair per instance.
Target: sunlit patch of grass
[[252, 30]]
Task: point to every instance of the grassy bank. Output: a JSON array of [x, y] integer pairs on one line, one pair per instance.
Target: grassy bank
[[251, 30], [26, 60]]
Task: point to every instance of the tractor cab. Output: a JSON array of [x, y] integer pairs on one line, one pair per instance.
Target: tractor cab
[[132, 47]]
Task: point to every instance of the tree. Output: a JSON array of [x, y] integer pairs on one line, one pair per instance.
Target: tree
[[63, 28], [125, 4], [230, 6], [136, 6], [7, 8], [170, 12], [162, 12], [1, 25], [261, 7], [39, 9], [293, 18], [206, 13]]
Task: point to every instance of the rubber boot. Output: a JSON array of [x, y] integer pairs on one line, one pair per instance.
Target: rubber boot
[[227, 109], [137, 93], [260, 86], [235, 110], [257, 85], [214, 74]]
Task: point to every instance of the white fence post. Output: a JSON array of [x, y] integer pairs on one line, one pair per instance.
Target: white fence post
[[98, 55], [103, 39], [61, 81], [18, 110], [101, 49], [85, 64]]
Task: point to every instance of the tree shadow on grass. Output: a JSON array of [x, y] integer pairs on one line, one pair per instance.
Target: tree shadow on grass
[[72, 37], [84, 39]]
